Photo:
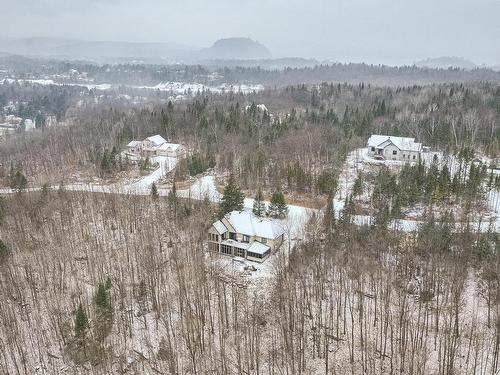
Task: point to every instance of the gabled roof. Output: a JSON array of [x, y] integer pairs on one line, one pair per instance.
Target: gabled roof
[[245, 222], [404, 144], [220, 227], [134, 143], [239, 245], [258, 248], [157, 140], [171, 146]]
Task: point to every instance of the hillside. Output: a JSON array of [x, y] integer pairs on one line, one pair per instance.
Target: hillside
[[236, 48], [446, 63]]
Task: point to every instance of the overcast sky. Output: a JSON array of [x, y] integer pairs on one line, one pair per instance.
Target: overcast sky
[[375, 31]]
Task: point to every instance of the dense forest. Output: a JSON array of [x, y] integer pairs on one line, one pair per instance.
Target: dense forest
[[299, 141], [99, 283], [270, 73]]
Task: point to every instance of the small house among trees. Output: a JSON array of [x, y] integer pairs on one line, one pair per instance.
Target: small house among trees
[[243, 234], [394, 148]]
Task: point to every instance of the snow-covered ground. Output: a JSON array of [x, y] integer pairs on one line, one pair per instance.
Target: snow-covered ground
[[298, 216], [175, 88], [358, 160], [205, 187], [139, 187]]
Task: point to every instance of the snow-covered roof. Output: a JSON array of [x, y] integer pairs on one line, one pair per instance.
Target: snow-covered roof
[[245, 222], [172, 146], [134, 144], [157, 140], [239, 245], [258, 248], [220, 227], [404, 144]]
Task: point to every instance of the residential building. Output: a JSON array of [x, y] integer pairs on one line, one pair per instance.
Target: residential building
[[245, 235], [394, 148], [156, 145]]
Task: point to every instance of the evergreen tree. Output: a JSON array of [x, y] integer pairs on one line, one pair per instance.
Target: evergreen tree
[[4, 251], [154, 191], [105, 163], [232, 199], [259, 207], [19, 182], [278, 207], [357, 188], [172, 198], [81, 322], [108, 284], [101, 297], [329, 217]]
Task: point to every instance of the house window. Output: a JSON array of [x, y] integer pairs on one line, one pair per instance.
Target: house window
[[414, 157], [404, 156], [246, 238], [263, 240], [213, 247], [394, 152], [373, 149], [254, 255], [232, 236], [226, 249], [240, 253]]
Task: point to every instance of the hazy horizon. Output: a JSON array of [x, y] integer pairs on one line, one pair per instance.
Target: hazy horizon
[[385, 32]]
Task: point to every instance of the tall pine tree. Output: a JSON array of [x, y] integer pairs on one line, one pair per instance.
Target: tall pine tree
[[259, 207], [232, 199], [278, 207], [81, 321], [154, 192]]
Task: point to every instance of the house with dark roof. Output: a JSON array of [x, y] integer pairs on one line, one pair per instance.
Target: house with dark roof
[[245, 235]]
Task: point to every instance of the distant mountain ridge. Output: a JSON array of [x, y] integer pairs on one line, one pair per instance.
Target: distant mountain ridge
[[237, 49], [105, 51], [446, 62], [93, 50]]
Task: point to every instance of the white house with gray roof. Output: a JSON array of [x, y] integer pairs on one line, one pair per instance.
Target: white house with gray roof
[[394, 148], [245, 235], [156, 145]]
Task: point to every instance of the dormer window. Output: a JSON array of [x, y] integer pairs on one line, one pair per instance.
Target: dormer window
[[246, 238]]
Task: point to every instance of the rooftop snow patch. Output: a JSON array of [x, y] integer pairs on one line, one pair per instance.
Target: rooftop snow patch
[[404, 144], [134, 143], [167, 146], [247, 223], [157, 140], [220, 227], [258, 248]]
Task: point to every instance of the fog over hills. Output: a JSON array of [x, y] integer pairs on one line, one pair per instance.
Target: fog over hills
[[236, 48], [111, 51], [446, 62]]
